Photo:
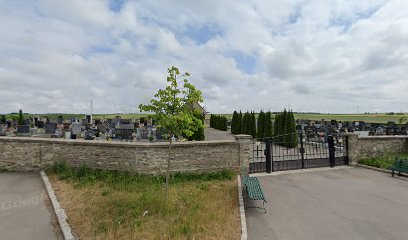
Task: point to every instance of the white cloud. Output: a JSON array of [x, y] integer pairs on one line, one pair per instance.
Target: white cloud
[[327, 56]]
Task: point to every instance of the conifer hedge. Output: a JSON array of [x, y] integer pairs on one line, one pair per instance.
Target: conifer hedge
[[285, 129], [247, 123], [219, 122]]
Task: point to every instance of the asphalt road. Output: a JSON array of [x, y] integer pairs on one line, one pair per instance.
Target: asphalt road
[[23, 208], [348, 203]]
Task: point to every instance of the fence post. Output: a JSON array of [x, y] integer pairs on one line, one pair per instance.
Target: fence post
[[347, 161], [302, 150], [330, 142], [268, 154]]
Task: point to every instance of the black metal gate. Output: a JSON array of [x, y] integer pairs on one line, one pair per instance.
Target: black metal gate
[[279, 154]]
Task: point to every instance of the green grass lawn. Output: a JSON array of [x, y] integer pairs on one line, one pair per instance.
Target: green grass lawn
[[117, 205], [384, 162]]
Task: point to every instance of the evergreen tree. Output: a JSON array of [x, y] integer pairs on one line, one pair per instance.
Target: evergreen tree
[[293, 139], [20, 118], [285, 129], [234, 123], [267, 125], [260, 125], [247, 122], [253, 125], [240, 128], [244, 124]]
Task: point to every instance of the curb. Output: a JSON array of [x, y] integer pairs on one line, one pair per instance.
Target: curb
[[380, 169], [59, 212], [244, 234], [306, 170]]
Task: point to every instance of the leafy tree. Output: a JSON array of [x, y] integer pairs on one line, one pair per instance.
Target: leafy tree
[[199, 134], [401, 120], [172, 108], [3, 119]]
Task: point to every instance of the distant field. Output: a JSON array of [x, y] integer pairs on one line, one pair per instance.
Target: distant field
[[374, 118]]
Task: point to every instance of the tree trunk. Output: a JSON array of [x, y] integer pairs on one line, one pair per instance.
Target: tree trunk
[[168, 164]]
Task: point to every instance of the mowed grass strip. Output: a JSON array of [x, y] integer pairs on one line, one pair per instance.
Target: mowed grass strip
[[384, 162], [116, 205]]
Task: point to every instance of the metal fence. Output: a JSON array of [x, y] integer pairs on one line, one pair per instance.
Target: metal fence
[[277, 154]]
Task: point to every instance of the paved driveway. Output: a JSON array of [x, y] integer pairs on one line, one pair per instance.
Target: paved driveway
[[214, 134], [348, 203], [23, 210]]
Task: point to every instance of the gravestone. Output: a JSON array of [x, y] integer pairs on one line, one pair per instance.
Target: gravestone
[[102, 127], [89, 135], [50, 128], [145, 133], [138, 133], [58, 132], [76, 129], [40, 124], [2, 133], [23, 129], [88, 119]]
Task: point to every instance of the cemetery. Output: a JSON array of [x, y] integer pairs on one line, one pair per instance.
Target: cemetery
[[142, 129]]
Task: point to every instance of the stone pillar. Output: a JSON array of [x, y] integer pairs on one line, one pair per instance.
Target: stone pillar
[[353, 149], [243, 151]]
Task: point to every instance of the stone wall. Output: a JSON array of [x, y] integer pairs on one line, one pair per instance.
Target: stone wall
[[368, 147], [28, 154]]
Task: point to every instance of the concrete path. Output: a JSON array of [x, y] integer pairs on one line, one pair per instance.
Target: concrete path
[[24, 213], [346, 203], [214, 134]]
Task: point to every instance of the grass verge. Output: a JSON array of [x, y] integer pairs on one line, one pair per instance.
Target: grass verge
[[117, 205], [384, 162]]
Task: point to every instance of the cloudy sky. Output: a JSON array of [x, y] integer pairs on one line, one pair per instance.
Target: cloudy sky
[[321, 55]]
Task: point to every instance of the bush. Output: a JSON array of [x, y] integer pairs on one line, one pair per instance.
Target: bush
[[198, 135]]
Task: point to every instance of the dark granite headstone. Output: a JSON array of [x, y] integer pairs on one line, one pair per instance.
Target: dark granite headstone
[[50, 128], [23, 128]]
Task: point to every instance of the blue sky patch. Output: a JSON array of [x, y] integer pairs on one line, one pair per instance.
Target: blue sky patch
[[245, 62], [347, 21], [116, 5], [202, 34]]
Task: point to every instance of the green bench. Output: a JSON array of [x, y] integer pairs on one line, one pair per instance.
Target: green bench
[[254, 190], [400, 165]]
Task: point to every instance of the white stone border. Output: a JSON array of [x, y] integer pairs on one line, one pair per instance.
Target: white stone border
[[59, 212], [244, 234]]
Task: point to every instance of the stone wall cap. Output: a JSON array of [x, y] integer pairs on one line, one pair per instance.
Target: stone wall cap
[[114, 143], [242, 136], [384, 137]]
